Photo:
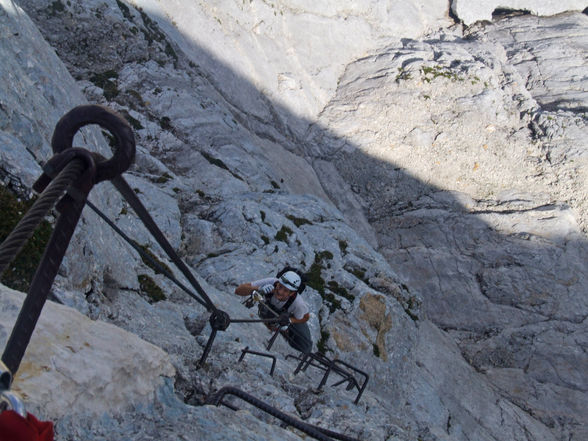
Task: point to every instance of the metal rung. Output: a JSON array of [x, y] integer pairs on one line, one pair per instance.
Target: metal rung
[[262, 354], [333, 365], [316, 432]]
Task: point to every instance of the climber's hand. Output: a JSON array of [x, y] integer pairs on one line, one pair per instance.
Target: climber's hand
[[266, 289]]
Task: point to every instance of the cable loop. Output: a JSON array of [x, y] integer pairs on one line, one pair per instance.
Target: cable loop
[[124, 153]]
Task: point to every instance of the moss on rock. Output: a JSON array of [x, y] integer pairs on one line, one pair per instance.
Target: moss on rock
[[151, 289], [19, 273]]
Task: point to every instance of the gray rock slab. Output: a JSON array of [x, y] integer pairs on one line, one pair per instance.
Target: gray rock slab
[[472, 11], [450, 150], [68, 349]]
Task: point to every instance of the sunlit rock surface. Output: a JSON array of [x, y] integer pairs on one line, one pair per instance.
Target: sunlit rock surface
[[77, 365], [471, 11]]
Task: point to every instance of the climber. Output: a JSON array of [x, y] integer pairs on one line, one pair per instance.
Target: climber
[[281, 294]]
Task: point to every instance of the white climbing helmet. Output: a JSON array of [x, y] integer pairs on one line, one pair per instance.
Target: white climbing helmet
[[290, 280]]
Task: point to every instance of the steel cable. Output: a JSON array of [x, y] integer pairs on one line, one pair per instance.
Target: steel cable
[[125, 190], [143, 254], [46, 201]]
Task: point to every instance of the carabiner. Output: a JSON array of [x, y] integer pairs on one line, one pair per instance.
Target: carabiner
[[9, 400]]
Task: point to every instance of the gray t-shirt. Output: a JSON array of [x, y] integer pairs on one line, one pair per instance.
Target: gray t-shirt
[[298, 309]]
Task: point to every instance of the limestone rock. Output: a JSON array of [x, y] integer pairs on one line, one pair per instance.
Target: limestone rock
[[455, 219], [71, 365], [304, 77], [471, 11], [432, 186]]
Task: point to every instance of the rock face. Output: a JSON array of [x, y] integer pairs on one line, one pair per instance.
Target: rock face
[[472, 11], [315, 41], [430, 177], [76, 356]]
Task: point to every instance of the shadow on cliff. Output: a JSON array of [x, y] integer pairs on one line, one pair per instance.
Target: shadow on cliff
[[477, 282], [471, 276]]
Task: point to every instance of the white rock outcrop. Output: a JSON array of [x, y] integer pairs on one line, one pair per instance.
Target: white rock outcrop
[[291, 52], [74, 365], [471, 11]]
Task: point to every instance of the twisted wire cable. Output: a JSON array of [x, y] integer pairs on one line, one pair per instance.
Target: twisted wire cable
[[33, 217], [143, 254]]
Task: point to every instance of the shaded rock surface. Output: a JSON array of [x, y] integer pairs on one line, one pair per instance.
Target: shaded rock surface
[[431, 177]]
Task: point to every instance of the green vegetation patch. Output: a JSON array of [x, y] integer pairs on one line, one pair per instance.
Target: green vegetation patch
[[166, 177], [133, 122], [339, 290], [298, 221], [19, 273], [218, 163], [137, 97], [150, 29], [359, 273], [376, 350], [317, 282], [126, 12], [283, 234], [315, 279], [151, 289], [322, 343], [402, 74], [323, 255], [56, 8], [431, 73], [333, 302], [152, 261], [105, 81], [169, 51], [165, 123]]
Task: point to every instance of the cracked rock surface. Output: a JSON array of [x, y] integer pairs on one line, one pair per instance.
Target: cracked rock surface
[[431, 176]]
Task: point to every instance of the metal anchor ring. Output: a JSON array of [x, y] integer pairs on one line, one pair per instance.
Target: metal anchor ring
[[124, 152]]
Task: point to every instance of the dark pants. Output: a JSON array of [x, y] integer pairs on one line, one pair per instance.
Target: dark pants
[[297, 335]]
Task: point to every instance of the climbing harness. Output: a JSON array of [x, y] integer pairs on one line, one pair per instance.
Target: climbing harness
[[65, 184], [269, 314]]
